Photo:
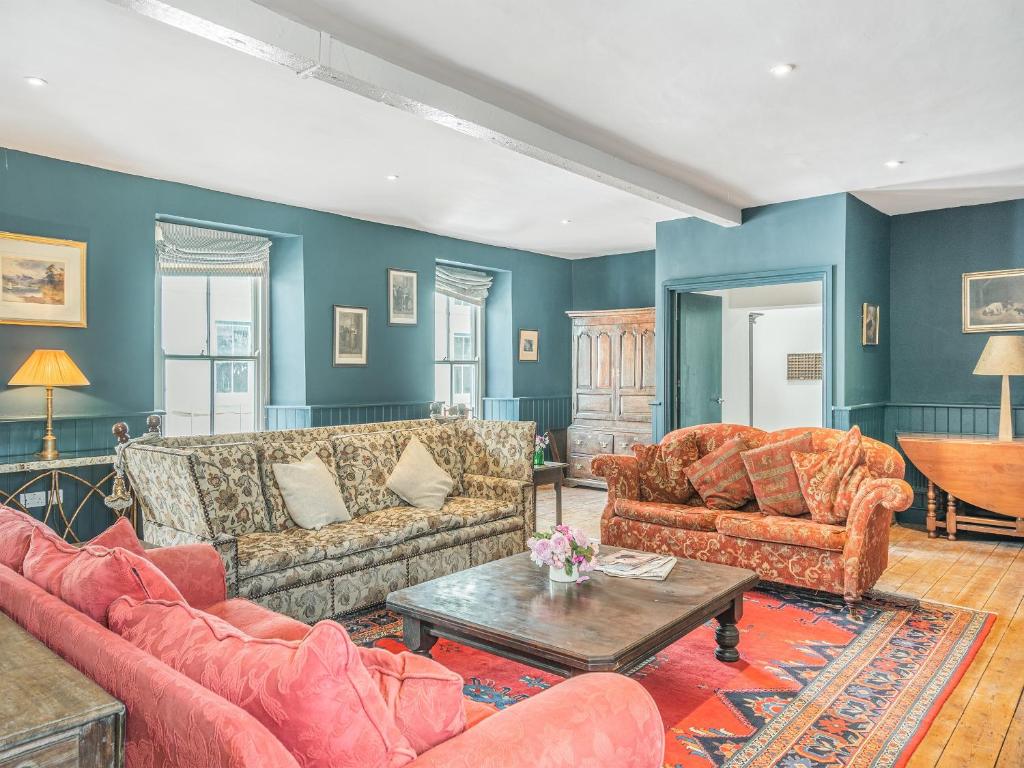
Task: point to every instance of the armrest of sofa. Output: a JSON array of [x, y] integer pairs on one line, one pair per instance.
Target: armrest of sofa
[[599, 720], [165, 487], [195, 569], [866, 553], [516, 492], [623, 476]]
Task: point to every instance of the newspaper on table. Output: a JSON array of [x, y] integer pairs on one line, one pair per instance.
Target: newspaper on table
[[629, 564]]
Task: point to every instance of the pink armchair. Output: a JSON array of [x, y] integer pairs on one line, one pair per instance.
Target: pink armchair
[[845, 560]]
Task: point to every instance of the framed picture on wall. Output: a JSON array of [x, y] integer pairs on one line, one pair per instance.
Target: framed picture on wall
[[993, 301], [529, 346], [350, 332], [870, 320], [401, 297], [42, 281]]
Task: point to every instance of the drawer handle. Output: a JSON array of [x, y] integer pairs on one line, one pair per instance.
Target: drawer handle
[[579, 466], [579, 442], [603, 445]]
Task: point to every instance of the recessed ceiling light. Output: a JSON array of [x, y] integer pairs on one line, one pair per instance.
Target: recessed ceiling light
[[38, 82], [566, 221], [893, 163], [781, 70], [392, 177]]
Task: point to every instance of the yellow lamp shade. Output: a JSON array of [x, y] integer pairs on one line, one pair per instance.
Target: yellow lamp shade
[[49, 368]]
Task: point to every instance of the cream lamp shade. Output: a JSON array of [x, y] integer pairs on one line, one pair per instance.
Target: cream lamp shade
[[1003, 356], [49, 368]]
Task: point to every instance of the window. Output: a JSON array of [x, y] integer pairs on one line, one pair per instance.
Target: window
[[457, 352]]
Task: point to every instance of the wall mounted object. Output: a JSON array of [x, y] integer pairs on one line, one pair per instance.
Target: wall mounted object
[[1003, 356], [350, 332], [870, 320], [993, 301], [529, 346], [402, 306], [803, 366], [42, 281], [49, 368]]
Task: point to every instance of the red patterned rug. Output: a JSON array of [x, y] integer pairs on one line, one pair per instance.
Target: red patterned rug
[[817, 686]]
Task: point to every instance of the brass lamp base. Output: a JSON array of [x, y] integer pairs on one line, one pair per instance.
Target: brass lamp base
[[49, 439]]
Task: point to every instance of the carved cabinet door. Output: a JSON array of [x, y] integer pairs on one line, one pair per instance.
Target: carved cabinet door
[[593, 371], [635, 372]]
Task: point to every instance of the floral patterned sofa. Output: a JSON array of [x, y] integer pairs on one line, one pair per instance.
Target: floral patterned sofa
[[221, 490], [842, 559]]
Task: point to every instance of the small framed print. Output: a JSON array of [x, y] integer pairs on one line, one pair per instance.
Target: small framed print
[[869, 325], [993, 301], [350, 332], [402, 309], [529, 346], [42, 281]]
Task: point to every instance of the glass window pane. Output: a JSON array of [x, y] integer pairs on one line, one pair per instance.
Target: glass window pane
[[464, 385], [440, 327], [463, 330], [442, 383], [231, 315], [236, 404], [183, 315], [187, 397]]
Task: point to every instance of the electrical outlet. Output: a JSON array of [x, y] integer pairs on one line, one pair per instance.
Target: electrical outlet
[[38, 499]]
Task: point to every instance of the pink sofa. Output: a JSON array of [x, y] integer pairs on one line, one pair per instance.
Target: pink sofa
[[596, 720], [844, 559]]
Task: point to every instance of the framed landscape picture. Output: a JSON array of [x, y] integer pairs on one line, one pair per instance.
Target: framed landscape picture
[[529, 346], [401, 297], [350, 332], [42, 281], [993, 301], [870, 319]]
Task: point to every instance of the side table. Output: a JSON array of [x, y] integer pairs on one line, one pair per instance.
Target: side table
[[550, 472]]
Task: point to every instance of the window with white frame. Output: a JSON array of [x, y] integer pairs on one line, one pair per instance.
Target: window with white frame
[[459, 299], [212, 330]]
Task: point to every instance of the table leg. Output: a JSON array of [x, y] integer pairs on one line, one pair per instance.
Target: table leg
[[727, 636], [416, 636], [950, 516], [558, 500], [932, 507]]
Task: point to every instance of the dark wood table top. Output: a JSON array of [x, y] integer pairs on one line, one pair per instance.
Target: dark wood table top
[[512, 608]]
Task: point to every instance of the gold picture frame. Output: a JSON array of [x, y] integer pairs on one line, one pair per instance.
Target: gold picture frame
[[870, 324], [529, 345], [42, 281], [993, 301]]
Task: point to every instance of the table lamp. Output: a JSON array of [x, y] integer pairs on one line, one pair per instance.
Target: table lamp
[[49, 368], [1003, 356]]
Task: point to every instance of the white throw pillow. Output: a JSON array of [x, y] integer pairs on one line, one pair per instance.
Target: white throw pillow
[[418, 479], [310, 494]]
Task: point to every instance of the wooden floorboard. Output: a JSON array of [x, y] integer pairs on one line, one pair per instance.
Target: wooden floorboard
[[981, 725]]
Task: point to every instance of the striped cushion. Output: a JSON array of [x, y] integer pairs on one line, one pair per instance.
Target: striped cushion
[[720, 477], [773, 477]]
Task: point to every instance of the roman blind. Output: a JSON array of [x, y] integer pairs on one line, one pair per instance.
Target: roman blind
[[185, 250], [463, 284]]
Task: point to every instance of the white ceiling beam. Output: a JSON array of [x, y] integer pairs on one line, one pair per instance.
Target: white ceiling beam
[[264, 34]]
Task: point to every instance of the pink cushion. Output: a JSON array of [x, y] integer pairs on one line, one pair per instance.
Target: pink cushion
[[120, 534], [15, 536], [48, 555], [97, 576], [424, 697], [257, 621], [314, 694]]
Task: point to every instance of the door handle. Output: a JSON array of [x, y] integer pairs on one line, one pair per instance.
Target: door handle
[[718, 400]]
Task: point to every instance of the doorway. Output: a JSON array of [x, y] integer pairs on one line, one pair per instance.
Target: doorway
[[751, 350]]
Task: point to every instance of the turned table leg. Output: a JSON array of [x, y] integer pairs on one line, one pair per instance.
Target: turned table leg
[[727, 636], [932, 507], [950, 516]]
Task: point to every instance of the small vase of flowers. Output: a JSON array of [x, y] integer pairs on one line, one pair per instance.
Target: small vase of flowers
[[540, 442], [568, 553]]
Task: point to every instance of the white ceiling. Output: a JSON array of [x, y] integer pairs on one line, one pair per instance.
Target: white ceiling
[[681, 89]]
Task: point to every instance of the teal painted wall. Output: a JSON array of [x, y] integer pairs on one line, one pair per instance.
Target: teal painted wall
[[932, 358], [867, 280], [344, 261], [618, 281]]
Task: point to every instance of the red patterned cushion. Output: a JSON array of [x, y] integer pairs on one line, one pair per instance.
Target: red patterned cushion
[[45, 556], [256, 621], [773, 477], [670, 515], [661, 469], [97, 576], [829, 481], [799, 532], [314, 694], [15, 536], [720, 477]]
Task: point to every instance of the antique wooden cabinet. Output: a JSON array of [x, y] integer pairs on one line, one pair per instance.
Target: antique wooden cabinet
[[613, 372]]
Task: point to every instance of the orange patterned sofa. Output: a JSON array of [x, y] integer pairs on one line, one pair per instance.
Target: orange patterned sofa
[[842, 559]]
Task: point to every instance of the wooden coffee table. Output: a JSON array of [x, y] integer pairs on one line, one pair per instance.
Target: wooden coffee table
[[511, 608]]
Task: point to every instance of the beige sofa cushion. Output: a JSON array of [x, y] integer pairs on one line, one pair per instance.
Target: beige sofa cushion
[[443, 442], [418, 479], [229, 484], [286, 453], [311, 494], [363, 463]]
